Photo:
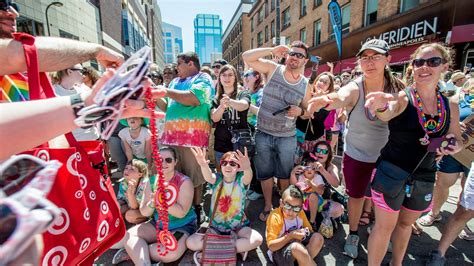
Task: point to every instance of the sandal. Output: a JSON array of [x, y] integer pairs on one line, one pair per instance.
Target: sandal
[[416, 229], [429, 219], [264, 215], [364, 218], [467, 234]]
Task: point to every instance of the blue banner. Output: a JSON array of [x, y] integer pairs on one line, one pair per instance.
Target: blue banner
[[335, 15]]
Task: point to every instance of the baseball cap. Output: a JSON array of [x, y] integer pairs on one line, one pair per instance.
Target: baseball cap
[[380, 46]]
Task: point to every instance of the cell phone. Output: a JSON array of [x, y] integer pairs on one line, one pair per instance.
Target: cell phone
[[441, 142], [314, 59], [282, 110]]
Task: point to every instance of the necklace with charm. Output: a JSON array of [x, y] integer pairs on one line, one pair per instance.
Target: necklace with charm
[[430, 123]]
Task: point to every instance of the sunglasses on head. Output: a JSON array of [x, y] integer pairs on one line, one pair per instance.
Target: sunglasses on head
[[248, 74], [431, 62], [168, 160], [308, 168], [231, 163], [290, 207], [297, 54], [6, 4], [322, 151]]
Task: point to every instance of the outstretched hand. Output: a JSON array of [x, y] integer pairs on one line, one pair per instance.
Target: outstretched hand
[[243, 160], [316, 103], [377, 100], [200, 155]]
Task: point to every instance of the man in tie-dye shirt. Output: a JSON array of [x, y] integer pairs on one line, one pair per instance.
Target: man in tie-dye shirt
[[187, 104]]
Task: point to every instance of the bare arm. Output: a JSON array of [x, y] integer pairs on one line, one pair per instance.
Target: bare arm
[[346, 97], [147, 200], [239, 105], [331, 175], [254, 58], [128, 150], [385, 105], [183, 97], [216, 113], [55, 54], [253, 109], [200, 155]]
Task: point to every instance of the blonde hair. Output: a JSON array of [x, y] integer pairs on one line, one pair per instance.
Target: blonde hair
[[141, 166]]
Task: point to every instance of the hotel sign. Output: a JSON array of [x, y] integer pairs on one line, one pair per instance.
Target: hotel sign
[[408, 35]]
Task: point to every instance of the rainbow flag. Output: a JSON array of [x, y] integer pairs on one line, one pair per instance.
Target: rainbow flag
[[14, 88]]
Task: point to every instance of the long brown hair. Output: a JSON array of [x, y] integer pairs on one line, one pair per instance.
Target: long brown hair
[[307, 157], [220, 87], [331, 80]]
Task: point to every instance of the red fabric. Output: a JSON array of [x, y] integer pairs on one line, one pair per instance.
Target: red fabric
[[463, 33], [90, 221]]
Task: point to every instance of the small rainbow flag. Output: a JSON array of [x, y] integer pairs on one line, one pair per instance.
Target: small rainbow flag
[[14, 88]]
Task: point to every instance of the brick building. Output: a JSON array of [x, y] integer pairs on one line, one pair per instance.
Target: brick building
[[405, 24], [236, 37]]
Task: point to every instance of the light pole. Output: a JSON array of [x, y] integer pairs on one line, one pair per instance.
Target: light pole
[[58, 4]]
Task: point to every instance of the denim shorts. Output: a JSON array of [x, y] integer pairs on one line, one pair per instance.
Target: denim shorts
[[189, 228], [275, 156], [449, 165]]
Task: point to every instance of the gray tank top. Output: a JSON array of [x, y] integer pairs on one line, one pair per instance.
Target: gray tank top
[[363, 139], [278, 93]]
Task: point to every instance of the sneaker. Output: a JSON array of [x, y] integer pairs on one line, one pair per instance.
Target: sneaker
[[436, 259], [120, 256], [351, 247], [467, 234], [314, 226], [429, 219]]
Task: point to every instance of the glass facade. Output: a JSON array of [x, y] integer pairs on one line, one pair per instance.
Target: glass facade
[[207, 37], [173, 40]]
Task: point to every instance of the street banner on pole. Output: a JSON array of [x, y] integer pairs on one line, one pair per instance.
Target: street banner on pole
[[334, 10]]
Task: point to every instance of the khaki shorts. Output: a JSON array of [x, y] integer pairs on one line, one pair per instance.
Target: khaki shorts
[[188, 165]]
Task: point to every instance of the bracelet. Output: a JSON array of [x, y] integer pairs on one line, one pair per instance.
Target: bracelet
[[383, 109]]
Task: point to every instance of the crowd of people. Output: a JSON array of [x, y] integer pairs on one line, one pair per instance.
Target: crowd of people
[[392, 170]]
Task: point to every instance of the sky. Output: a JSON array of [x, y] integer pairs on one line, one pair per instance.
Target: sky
[[181, 13]]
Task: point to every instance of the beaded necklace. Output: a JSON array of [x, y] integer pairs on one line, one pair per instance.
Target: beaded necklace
[[428, 122], [163, 195]]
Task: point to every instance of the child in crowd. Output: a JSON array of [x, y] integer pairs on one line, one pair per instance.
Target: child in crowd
[[131, 190], [230, 216], [318, 173], [289, 234], [136, 140]]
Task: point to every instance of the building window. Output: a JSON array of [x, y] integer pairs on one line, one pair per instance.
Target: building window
[[251, 24], [272, 28], [266, 8], [408, 4], [30, 26], [286, 18], [317, 3], [371, 7], [272, 5], [259, 39], [251, 44], [287, 41], [303, 35], [346, 18], [317, 33], [266, 33], [260, 15], [302, 8]]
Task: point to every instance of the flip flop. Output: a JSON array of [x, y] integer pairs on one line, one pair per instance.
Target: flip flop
[[264, 215], [416, 229]]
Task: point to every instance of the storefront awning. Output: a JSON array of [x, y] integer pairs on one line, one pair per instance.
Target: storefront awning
[[463, 33]]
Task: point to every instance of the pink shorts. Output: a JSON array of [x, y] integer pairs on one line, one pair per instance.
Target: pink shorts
[[357, 176]]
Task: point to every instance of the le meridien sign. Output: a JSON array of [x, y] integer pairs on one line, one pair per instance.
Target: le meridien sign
[[408, 35]]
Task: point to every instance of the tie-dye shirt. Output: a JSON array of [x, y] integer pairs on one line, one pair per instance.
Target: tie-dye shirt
[[231, 204], [255, 99], [185, 125]]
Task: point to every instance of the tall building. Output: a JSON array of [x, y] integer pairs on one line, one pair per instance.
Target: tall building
[[155, 33], [207, 37], [236, 38], [404, 24], [173, 42]]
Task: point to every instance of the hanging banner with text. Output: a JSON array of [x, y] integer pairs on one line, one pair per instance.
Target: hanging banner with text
[[334, 10]]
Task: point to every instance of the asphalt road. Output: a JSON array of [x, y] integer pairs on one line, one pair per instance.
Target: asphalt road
[[460, 253]]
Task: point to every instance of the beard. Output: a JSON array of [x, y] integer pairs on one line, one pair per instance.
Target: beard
[[292, 64]]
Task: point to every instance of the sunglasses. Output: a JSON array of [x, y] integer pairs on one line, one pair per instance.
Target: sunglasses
[[431, 62], [231, 163], [308, 168], [6, 4], [168, 160], [290, 207], [78, 69], [297, 55], [322, 151], [18, 171], [216, 66]]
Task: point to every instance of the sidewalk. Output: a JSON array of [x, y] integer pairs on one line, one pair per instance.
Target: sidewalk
[[460, 253]]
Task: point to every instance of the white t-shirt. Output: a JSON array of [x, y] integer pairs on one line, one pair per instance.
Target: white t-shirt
[[137, 144], [317, 180], [79, 133]]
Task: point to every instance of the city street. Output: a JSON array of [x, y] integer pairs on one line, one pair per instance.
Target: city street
[[460, 253]]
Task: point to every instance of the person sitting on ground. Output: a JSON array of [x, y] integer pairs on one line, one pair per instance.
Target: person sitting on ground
[[131, 189], [289, 234], [140, 240], [136, 140], [311, 178], [229, 217]]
